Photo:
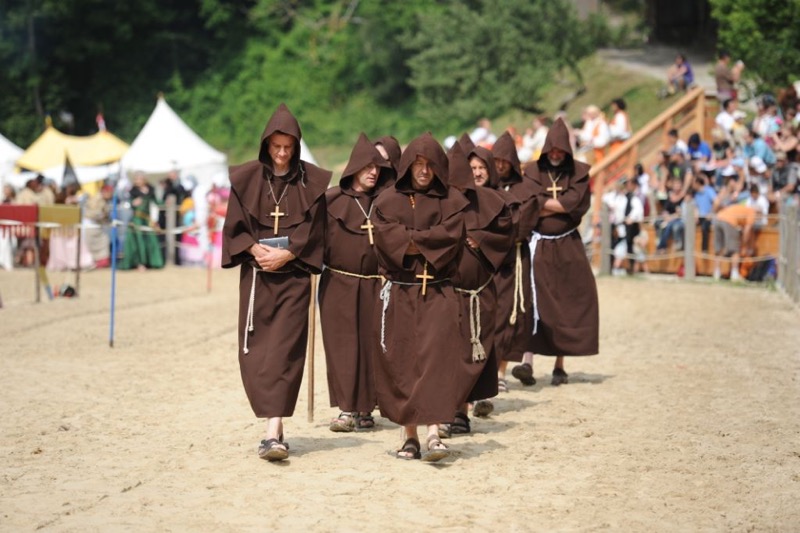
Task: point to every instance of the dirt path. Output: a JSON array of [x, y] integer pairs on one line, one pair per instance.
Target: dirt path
[[654, 60], [688, 420]]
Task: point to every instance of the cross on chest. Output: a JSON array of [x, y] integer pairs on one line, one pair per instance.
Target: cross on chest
[[424, 277], [367, 225], [276, 215], [555, 189]]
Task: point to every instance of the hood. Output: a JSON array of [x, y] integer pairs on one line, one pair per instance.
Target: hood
[[505, 148], [281, 121], [557, 137], [426, 146], [460, 171], [485, 155], [466, 143], [363, 154], [392, 149]]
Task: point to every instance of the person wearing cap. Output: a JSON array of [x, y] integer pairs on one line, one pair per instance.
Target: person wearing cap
[[758, 174], [274, 233], [419, 237]]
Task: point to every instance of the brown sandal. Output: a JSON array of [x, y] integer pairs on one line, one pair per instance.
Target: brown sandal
[[437, 450], [410, 446]]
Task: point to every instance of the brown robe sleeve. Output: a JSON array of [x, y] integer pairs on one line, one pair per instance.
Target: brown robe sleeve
[[391, 238], [576, 199], [441, 244], [237, 237], [307, 240], [496, 239]]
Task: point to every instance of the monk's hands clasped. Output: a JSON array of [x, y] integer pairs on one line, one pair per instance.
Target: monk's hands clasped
[[269, 258]]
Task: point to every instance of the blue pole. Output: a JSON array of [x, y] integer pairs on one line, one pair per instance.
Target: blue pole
[[114, 202]]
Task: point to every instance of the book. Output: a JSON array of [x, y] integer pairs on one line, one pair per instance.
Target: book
[[276, 242]]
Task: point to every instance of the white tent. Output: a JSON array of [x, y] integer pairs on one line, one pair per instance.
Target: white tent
[[166, 143], [9, 153]]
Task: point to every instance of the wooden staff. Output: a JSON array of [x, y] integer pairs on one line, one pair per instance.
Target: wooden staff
[[312, 326]]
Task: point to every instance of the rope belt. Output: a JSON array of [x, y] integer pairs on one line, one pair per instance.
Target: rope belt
[[249, 322], [519, 295], [535, 238], [386, 292], [353, 274], [478, 353]]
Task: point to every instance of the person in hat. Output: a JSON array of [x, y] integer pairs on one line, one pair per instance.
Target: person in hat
[[274, 232]]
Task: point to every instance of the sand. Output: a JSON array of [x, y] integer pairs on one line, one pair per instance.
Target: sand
[[689, 419]]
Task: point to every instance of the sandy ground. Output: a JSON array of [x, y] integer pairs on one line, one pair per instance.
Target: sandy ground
[[688, 420]]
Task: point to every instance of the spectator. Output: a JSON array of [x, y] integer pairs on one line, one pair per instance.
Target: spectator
[[726, 77], [594, 134], [98, 213], [482, 135], [786, 141], [730, 192], [757, 201], [700, 154], [9, 194], [679, 76], [725, 118], [767, 123], [704, 196], [733, 237], [675, 144], [758, 174], [739, 129], [784, 179], [534, 137], [619, 128], [630, 224], [671, 224], [754, 146]]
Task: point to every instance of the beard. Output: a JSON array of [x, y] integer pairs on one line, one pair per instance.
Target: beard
[[555, 162]]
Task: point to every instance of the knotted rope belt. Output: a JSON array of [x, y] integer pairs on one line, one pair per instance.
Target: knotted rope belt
[[353, 274], [478, 353], [386, 292], [535, 238], [252, 304], [519, 295]]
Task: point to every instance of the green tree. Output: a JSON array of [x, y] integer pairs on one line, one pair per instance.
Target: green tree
[[764, 34], [486, 57]]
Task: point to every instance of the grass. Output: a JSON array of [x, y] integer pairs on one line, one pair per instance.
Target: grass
[[604, 82]]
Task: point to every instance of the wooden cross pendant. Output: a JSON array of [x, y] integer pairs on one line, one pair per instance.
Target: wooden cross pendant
[[368, 226], [276, 215], [555, 189], [424, 277]]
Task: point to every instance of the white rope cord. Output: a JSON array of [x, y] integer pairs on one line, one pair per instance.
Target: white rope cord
[[248, 327], [386, 292], [385, 295], [535, 238], [478, 353], [353, 274], [519, 295]]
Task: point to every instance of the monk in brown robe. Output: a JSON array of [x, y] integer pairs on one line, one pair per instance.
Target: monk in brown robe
[[350, 286], [489, 238], [419, 369], [276, 196], [390, 150], [565, 307], [514, 292]]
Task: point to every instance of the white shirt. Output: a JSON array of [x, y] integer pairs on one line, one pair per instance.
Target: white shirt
[[725, 121], [619, 129], [761, 205], [595, 133]]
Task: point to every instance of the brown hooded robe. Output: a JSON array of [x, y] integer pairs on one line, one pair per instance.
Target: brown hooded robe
[[272, 366], [392, 147], [566, 293], [488, 222], [515, 339], [350, 284], [418, 368]]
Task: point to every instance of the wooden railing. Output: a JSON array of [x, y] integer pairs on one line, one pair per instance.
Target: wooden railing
[[688, 115]]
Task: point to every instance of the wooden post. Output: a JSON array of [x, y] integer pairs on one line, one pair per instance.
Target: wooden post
[[791, 256], [170, 228], [783, 242], [605, 240], [37, 259], [78, 253], [312, 328], [690, 227]]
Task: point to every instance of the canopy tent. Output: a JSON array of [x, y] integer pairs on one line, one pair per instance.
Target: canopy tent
[[166, 143], [9, 153], [52, 147]]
